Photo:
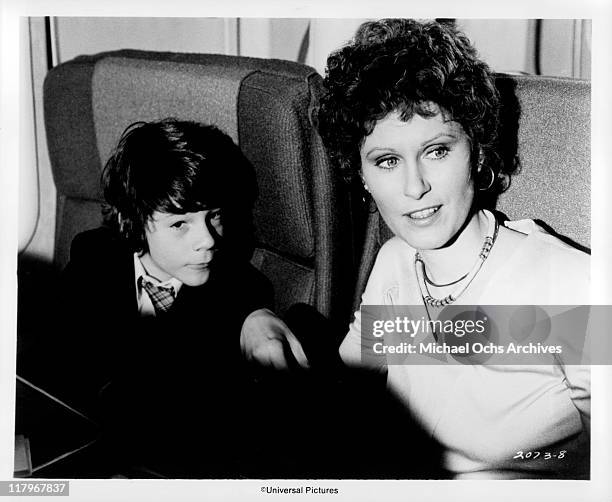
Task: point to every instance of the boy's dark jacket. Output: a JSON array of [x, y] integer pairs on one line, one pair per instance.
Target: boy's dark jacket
[[183, 368]]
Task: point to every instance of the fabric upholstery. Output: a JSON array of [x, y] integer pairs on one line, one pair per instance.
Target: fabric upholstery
[[285, 222], [553, 183], [74, 214], [303, 238], [311, 223], [545, 131], [125, 90], [71, 136], [294, 283]]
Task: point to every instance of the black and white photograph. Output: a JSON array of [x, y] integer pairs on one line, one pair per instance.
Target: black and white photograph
[[301, 252]]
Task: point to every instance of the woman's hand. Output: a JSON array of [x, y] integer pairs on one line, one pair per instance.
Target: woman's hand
[[267, 341]]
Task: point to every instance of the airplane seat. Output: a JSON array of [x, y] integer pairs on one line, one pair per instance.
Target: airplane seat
[[301, 215]]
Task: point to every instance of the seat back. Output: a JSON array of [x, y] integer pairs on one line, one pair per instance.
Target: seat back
[[545, 132], [264, 105]]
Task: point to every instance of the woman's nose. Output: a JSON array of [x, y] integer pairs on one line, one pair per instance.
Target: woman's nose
[[415, 183]]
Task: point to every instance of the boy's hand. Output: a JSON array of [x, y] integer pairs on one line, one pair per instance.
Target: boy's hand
[[267, 340]]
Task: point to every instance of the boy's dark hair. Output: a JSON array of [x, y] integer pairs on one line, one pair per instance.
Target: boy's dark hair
[[177, 167], [404, 65]]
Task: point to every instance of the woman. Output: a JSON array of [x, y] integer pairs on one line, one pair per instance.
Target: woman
[[412, 113]]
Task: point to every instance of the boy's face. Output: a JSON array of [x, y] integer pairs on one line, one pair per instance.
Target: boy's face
[[182, 245]]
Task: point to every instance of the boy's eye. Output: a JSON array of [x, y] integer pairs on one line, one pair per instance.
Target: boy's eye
[[178, 224], [437, 153], [387, 162]]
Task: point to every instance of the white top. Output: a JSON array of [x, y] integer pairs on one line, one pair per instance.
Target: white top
[[145, 305], [483, 416]]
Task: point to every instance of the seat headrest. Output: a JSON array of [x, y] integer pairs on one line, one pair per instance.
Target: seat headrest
[[551, 129]]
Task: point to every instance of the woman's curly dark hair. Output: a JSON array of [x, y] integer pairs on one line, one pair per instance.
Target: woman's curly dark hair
[[405, 65]]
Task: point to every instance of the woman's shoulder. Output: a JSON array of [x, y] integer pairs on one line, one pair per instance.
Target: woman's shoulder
[[542, 262], [395, 248], [393, 257], [392, 267], [538, 246]]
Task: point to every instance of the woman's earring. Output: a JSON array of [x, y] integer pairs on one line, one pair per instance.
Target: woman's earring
[[365, 197], [482, 186], [121, 223]]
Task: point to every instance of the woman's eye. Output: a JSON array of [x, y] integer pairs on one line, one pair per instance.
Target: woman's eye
[[387, 162], [178, 224], [437, 153]]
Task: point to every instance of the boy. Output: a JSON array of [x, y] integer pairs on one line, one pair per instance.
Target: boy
[[153, 303]]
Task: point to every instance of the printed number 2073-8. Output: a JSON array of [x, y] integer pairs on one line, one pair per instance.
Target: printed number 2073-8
[[532, 455]]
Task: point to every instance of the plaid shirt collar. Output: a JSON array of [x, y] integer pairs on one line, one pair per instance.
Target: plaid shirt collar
[[139, 271]]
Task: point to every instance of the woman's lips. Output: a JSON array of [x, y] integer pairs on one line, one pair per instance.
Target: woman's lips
[[423, 214]]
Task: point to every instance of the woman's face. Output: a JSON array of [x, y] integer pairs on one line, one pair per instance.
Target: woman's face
[[418, 173]]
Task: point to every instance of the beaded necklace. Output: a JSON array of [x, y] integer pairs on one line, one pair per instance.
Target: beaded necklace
[[419, 266]]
